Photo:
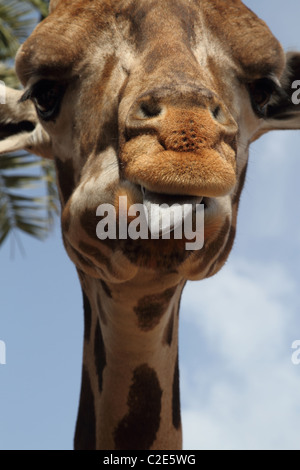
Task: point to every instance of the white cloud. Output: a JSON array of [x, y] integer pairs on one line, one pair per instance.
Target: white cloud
[[244, 393], [271, 193]]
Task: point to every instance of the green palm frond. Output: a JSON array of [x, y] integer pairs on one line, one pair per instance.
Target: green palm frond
[[14, 24], [41, 5], [22, 207], [17, 19], [28, 192], [8, 76]]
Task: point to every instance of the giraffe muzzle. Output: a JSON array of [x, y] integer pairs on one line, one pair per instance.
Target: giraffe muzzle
[[180, 144]]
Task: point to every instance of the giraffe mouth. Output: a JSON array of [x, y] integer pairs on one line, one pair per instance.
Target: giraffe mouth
[[167, 212]]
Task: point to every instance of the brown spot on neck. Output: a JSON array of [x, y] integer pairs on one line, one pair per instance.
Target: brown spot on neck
[[138, 429], [85, 435], [176, 417], [151, 308], [168, 334], [100, 355], [87, 317]]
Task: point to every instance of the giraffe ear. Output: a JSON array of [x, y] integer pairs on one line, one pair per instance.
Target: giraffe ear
[[19, 125], [284, 112]]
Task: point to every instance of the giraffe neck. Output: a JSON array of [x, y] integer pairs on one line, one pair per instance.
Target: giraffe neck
[[130, 379]]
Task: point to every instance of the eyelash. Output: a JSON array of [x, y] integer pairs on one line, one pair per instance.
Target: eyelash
[[43, 94]]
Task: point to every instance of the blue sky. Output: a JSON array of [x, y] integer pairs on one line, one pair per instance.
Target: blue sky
[[240, 389]]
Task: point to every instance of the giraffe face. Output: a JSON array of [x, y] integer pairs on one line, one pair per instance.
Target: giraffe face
[[150, 100]]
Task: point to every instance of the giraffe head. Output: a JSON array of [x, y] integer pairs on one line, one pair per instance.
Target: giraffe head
[[155, 101]]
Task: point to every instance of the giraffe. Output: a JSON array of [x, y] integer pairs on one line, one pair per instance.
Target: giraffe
[[151, 101]]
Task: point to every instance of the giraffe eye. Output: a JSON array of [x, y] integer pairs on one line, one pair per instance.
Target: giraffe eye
[[46, 96], [261, 92]]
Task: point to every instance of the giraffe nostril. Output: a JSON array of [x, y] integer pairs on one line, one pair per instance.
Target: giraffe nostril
[[216, 112]]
